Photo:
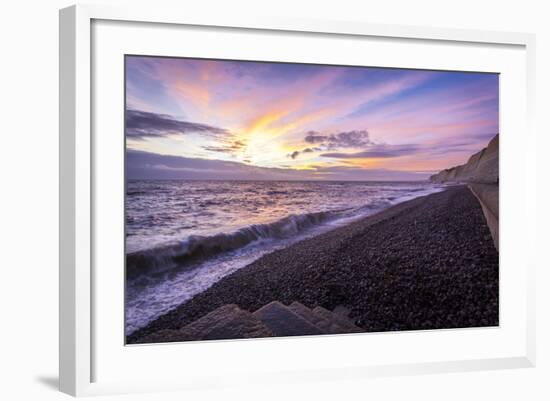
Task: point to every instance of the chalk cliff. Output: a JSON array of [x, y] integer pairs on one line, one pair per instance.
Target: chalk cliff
[[481, 168], [480, 172]]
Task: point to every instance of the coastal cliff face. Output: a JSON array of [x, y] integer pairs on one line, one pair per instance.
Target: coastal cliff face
[[481, 168], [481, 175]]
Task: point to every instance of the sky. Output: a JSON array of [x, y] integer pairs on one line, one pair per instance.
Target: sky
[[217, 119]]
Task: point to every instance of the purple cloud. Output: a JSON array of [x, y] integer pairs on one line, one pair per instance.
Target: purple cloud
[[377, 151], [340, 140], [145, 165], [346, 139], [231, 147], [141, 124]]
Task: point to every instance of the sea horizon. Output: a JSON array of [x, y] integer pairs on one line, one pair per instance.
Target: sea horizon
[[277, 180]]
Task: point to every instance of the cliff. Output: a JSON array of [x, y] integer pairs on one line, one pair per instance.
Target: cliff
[[480, 172], [481, 168]]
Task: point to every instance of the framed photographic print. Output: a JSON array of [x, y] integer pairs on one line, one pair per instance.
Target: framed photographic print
[[244, 193]]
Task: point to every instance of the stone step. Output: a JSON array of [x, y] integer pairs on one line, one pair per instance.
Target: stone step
[[283, 321], [347, 325], [327, 326]]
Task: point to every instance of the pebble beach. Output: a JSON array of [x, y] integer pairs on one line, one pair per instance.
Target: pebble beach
[[427, 263]]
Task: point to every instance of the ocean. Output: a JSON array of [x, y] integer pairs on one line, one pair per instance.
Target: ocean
[[183, 236]]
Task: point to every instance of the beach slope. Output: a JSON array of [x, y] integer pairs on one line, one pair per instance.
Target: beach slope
[[428, 263]]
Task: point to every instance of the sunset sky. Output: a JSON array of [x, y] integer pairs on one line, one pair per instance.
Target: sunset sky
[[209, 119]]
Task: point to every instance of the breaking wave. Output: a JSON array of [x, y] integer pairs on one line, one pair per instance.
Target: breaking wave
[[182, 254], [168, 262], [161, 259]]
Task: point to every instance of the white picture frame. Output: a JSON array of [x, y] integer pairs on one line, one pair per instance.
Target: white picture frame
[[77, 369]]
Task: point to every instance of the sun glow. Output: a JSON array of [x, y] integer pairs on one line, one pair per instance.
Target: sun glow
[[261, 114]]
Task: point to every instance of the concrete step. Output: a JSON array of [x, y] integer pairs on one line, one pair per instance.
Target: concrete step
[[341, 310], [306, 313], [240, 324], [274, 319], [283, 321], [327, 326], [225, 322], [347, 325]]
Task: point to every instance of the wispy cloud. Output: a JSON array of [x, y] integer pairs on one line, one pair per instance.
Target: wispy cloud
[[231, 147], [376, 151]]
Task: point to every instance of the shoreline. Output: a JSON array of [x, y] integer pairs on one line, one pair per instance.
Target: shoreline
[[424, 263]]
